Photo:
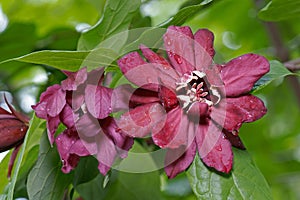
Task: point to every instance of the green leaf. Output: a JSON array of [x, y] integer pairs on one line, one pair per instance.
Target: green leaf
[[122, 185], [34, 124], [3, 175], [185, 14], [70, 60], [46, 180], [115, 19], [277, 70], [277, 10], [244, 182]]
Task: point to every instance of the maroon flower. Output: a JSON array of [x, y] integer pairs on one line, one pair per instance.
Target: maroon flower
[[13, 127], [195, 105], [82, 104]]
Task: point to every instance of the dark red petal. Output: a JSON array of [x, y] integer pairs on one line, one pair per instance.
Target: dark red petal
[[40, 109], [106, 152], [12, 159], [178, 42], [175, 131], [180, 159], [204, 49], [3, 111], [12, 133], [234, 139], [74, 79], [171, 126], [52, 125], [154, 57], [213, 148], [22, 117], [68, 117], [75, 99], [125, 97], [70, 148], [147, 75], [139, 121], [122, 142], [98, 100], [238, 110], [87, 126], [198, 110], [168, 98], [130, 61], [240, 74]]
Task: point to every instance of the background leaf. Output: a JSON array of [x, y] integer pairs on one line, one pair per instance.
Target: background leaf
[[70, 60], [116, 18], [244, 182], [46, 180], [184, 14], [277, 71], [280, 10]]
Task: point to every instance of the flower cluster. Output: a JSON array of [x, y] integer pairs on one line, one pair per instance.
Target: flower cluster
[[186, 102], [82, 104]]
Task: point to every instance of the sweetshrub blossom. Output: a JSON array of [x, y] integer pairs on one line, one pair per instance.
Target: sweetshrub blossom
[[13, 128], [195, 104], [82, 104]]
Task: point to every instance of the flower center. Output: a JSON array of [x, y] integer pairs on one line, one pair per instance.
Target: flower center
[[193, 87]]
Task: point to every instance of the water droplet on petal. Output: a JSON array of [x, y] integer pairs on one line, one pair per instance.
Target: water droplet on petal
[[218, 148], [178, 59], [149, 80]]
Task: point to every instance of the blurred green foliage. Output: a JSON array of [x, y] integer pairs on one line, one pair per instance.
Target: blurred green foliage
[[273, 141]]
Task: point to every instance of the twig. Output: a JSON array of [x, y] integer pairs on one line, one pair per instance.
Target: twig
[[281, 52], [293, 65]]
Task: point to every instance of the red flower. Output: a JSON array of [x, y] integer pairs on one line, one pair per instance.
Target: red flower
[[199, 105], [13, 127], [83, 105]]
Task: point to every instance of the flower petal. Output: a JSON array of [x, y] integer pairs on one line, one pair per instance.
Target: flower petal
[[240, 74], [213, 148], [125, 97], [122, 142], [52, 101], [175, 131], [238, 110], [154, 57], [204, 49], [70, 149], [106, 152], [178, 42], [139, 121], [98, 100], [87, 126], [68, 117], [147, 75], [74, 79], [168, 98], [52, 125], [180, 159], [12, 133]]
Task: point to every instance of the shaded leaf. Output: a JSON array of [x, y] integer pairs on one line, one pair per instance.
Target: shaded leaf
[[115, 19], [277, 10], [46, 180], [277, 70], [244, 182]]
